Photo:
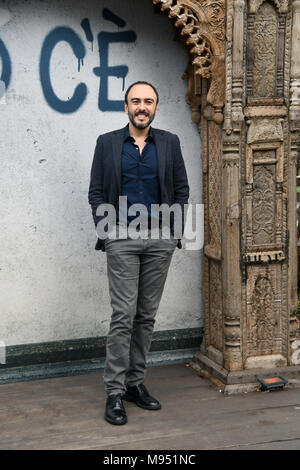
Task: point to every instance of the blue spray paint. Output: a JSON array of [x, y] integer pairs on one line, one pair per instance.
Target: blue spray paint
[[66, 34], [61, 33], [6, 65], [110, 16], [85, 24], [104, 71]]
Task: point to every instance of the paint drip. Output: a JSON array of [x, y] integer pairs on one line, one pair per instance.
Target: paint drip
[[80, 62]]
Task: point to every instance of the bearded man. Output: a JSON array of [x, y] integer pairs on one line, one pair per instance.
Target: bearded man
[[146, 166]]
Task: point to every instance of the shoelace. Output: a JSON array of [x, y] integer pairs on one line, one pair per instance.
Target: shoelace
[[116, 402]]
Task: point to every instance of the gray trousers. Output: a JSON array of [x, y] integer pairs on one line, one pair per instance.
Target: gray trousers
[[137, 271]]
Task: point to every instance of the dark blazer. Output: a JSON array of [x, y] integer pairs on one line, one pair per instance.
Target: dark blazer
[[105, 183]]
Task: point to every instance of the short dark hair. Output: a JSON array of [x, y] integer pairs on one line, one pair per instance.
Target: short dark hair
[[140, 83]]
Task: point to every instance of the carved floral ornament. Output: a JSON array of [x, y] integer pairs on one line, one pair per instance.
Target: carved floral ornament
[[202, 26], [282, 5]]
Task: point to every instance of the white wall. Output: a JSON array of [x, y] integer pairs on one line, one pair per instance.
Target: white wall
[[53, 283]]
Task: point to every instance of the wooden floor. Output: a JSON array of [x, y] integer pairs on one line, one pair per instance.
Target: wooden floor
[[67, 413]]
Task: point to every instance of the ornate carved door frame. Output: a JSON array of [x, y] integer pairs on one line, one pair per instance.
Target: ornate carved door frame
[[244, 91]]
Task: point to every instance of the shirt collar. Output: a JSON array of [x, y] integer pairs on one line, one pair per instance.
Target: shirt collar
[[127, 136]]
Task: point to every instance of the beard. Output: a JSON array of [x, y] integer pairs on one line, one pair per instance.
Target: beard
[[141, 125]]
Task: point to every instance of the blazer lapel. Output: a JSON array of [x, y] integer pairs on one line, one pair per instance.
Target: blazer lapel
[[117, 146], [161, 148]]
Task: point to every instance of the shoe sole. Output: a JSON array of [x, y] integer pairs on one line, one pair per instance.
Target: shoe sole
[[145, 407]]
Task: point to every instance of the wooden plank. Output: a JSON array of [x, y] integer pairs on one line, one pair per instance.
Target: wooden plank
[[67, 413]]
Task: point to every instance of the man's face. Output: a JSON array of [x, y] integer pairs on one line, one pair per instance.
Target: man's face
[[142, 105]]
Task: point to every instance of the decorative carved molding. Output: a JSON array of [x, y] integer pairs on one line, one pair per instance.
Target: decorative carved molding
[[281, 5], [202, 27], [261, 257], [266, 31], [263, 319], [216, 317], [263, 204], [193, 94], [295, 66], [264, 49], [264, 130]]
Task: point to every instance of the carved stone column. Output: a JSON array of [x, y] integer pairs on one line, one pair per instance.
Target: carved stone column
[[244, 90], [295, 65], [237, 61], [231, 214], [294, 116]]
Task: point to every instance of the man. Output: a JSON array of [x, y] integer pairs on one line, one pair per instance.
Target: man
[[145, 165]]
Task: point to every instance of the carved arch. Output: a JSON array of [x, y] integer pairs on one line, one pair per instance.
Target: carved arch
[[281, 5], [249, 178], [202, 27]]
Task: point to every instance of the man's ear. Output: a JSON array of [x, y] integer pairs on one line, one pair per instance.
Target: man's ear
[[125, 107]]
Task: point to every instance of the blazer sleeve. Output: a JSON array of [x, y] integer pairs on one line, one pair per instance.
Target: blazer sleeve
[[180, 182], [95, 195]]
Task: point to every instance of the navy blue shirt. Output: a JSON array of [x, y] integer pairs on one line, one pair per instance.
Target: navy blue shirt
[[139, 175]]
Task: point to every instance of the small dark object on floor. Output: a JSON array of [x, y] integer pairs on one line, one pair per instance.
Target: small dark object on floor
[[272, 383]]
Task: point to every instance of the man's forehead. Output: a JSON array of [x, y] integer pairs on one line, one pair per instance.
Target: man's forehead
[[141, 91]]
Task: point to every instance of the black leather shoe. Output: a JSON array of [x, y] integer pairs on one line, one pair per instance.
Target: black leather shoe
[[139, 395], [115, 412]]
